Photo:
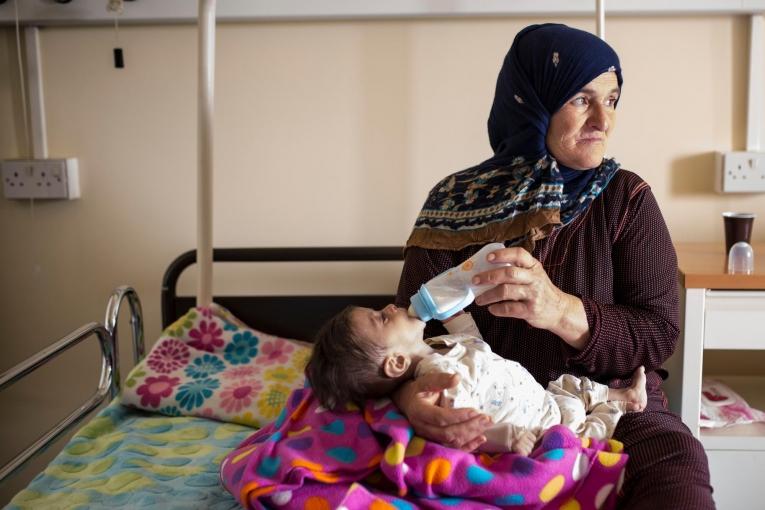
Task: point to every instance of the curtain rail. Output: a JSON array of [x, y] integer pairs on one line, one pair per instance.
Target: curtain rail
[[92, 12]]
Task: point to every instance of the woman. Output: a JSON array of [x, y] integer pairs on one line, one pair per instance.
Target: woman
[[593, 290]]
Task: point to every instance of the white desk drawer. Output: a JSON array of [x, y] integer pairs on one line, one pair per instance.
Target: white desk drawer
[[737, 479], [734, 319]]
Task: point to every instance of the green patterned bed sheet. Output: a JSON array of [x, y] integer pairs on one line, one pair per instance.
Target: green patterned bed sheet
[[126, 458]]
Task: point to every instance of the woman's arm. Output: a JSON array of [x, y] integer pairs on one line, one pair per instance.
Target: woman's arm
[[524, 291], [639, 328]]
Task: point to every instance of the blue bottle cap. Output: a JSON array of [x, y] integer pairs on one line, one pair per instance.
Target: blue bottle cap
[[426, 308], [423, 304]]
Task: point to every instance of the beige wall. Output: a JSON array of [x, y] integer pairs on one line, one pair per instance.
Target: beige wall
[[327, 133]]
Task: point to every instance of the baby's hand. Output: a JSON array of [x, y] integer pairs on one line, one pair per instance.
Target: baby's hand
[[524, 444], [461, 312]]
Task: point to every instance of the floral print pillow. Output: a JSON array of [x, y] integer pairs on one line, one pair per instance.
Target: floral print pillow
[[210, 364]]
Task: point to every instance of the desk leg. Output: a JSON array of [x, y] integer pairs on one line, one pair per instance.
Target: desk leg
[[693, 349]]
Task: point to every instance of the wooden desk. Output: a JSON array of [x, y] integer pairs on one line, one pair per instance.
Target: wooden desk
[[727, 312], [704, 266]]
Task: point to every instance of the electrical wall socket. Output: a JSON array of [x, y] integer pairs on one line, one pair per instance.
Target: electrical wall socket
[[41, 178], [740, 172]]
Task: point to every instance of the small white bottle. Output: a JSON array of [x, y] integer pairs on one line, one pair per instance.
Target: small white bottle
[[453, 290]]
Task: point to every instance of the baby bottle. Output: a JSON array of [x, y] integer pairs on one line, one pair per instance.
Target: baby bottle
[[452, 290]]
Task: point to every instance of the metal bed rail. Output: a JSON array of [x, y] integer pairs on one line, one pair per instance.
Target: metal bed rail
[[109, 380], [105, 387], [136, 322]]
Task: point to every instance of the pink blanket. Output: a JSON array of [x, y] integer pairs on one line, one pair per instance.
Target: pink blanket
[[313, 458]]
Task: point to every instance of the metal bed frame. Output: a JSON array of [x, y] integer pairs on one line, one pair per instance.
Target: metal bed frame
[[109, 380], [266, 313]]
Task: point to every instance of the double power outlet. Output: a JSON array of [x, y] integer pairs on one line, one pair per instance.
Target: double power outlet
[[41, 178], [740, 172]]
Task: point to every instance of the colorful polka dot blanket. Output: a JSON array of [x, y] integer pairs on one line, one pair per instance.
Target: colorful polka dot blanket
[[313, 458]]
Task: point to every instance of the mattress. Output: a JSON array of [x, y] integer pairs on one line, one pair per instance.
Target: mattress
[[127, 458]]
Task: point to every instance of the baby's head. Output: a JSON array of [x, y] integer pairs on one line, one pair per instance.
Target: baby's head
[[362, 353]]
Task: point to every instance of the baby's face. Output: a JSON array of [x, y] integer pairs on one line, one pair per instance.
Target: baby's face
[[390, 327]]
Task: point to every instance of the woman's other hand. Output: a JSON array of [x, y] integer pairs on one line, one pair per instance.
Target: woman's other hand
[[456, 428], [524, 291]]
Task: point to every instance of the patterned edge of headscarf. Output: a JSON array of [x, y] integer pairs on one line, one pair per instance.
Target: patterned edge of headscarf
[[527, 215]]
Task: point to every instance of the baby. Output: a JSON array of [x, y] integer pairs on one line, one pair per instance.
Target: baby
[[363, 353]]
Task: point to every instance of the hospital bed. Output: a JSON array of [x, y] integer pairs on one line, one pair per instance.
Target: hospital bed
[[131, 458]]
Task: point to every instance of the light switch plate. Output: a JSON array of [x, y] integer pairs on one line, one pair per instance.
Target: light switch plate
[[41, 178]]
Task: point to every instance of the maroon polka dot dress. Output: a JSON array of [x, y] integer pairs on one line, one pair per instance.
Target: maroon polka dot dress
[[618, 258]]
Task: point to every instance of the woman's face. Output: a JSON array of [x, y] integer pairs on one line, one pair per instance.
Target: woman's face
[[578, 132]]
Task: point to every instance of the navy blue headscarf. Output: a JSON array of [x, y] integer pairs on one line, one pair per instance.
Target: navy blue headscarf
[[521, 193]]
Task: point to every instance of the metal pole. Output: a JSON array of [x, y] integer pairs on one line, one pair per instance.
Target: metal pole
[[600, 9], [755, 141], [205, 150], [37, 132]]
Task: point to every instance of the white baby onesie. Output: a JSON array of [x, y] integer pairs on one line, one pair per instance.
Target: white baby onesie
[[504, 390]]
